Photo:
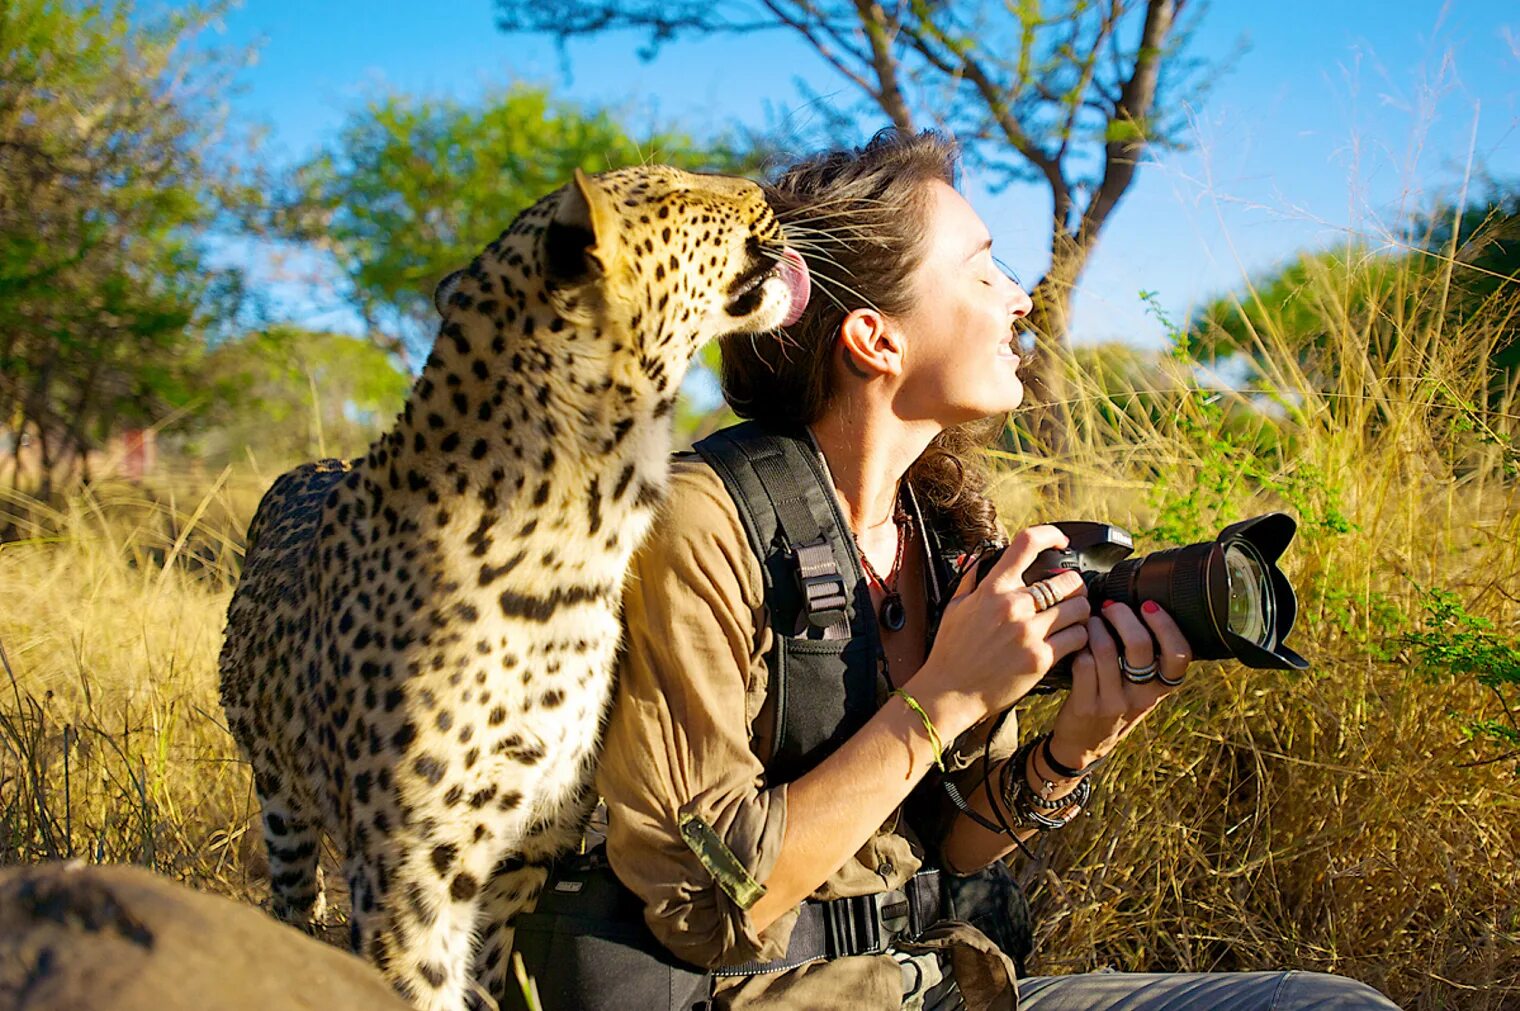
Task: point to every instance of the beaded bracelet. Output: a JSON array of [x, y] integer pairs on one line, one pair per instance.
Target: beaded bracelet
[[1026, 806]]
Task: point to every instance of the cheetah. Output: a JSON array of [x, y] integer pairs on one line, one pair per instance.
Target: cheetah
[[418, 657]]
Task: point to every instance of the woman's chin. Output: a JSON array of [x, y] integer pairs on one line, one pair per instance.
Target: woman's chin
[[1012, 395]]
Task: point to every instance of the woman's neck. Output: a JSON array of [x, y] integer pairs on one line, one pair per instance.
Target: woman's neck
[[868, 454]]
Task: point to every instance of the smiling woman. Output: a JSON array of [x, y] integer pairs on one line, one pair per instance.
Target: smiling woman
[[775, 756]]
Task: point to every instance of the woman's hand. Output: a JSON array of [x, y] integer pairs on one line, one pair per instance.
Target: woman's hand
[[994, 641], [1103, 705]]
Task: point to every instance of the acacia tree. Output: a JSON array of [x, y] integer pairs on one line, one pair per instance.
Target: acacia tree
[[413, 188], [1070, 94]]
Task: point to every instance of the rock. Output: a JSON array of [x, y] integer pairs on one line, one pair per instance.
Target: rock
[[116, 938]]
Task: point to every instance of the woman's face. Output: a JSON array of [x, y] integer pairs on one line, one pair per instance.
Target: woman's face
[[960, 361]]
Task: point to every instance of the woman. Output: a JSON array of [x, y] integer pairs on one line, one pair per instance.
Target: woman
[[908, 343]]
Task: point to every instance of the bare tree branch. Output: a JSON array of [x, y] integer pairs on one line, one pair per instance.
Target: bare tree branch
[[810, 30], [1130, 124], [882, 33]]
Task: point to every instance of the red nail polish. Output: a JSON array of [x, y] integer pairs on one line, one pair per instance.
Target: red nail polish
[[1109, 603], [1150, 607]]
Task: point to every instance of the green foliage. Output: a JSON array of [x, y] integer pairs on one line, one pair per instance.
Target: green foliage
[[108, 175], [1238, 450], [1300, 306], [289, 394], [1460, 273], [1236, 457], [1457, 645], [414, 188]]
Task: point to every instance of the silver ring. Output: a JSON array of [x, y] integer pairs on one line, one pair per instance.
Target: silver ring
[[1138, 675], [1044, 596], [1168, 681]]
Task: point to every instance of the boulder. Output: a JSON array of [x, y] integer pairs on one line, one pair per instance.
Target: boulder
[[115, 938]]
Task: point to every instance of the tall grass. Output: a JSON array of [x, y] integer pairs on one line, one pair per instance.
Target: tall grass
[[112, 745], [1342, 819], [1346, 818]]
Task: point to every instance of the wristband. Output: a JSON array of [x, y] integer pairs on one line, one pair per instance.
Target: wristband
[[1032, 810], [936, 745], [1061, 769]]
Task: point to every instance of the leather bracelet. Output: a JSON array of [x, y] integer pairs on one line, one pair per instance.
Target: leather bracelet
[[1025, 805], [1060, 768]]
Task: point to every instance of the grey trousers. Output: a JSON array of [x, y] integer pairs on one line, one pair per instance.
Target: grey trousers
[[1184, 991]]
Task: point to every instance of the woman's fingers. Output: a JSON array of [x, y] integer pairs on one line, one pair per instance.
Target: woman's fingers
[[1068, 640], [1052, 591], [1174, 653], [1138, 647], [968, 580], [1071, 611], [1008, 573], [1105, 654]]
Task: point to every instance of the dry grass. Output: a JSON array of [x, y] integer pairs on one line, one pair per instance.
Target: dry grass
[[112, 745], [1340, 819], [1331, 820]]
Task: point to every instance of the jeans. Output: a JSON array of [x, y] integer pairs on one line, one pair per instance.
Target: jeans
[[1183, 991]]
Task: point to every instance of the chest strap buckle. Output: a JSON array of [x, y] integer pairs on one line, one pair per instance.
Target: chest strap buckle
[[823, 590]]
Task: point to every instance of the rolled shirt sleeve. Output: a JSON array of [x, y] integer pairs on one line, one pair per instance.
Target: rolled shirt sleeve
[[691, 681]]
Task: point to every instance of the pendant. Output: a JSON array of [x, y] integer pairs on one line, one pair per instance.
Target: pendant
[[893, 615]]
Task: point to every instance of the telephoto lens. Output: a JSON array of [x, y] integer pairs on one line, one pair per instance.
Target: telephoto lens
[[1227, 595]]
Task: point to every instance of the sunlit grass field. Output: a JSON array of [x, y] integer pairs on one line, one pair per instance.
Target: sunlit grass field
[[1347, 818]]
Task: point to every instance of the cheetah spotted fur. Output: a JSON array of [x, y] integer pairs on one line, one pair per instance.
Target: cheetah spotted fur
[[418, 656]]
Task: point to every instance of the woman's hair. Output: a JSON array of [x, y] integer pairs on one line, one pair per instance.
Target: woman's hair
[[859, 217]]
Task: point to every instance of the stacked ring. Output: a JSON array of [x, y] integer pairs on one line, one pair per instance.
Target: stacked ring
[[1139, 675], [1168, 681], [1044, 596]]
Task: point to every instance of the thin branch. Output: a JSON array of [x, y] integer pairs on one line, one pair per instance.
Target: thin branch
[[1089, 68], [1121, 154], [807, 30], [967, 66], [882, 33]]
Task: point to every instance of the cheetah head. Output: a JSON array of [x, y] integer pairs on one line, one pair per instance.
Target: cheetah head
[[651, 262]]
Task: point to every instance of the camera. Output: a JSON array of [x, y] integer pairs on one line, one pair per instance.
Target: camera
[[1227, 595]]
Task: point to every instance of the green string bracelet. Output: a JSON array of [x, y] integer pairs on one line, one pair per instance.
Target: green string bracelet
[[935, 743]]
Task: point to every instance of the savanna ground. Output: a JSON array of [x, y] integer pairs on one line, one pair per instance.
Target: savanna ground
[[1362, 817]]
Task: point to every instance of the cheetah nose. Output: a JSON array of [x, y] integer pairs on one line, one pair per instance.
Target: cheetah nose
[[794, 273]]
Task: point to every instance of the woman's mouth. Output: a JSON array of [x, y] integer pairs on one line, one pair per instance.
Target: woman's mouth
[[1006, 350]]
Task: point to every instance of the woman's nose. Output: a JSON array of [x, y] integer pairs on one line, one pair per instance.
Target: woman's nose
[[1021, 303]]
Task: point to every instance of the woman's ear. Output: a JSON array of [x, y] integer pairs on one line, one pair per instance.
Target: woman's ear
[[871, 347]]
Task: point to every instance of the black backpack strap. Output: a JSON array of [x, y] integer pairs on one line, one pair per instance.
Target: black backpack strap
[[792, 521], [824, 660]]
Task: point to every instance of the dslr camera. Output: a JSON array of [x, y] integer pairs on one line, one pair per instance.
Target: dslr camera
[[1227, 595]]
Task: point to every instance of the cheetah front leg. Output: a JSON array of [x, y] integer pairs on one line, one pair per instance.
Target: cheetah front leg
[[415, 919], [516, 883]]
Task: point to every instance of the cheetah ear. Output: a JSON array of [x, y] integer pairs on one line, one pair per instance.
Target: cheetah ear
[[581, 239], [445, 291]]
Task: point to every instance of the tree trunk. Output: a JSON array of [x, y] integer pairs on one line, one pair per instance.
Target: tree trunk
[[45, 462], [1049, 321]]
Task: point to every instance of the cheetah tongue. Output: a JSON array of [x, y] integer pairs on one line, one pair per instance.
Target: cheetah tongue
[[795, 273]]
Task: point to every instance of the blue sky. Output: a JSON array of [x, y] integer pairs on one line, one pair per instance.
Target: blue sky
[[1340, 116]]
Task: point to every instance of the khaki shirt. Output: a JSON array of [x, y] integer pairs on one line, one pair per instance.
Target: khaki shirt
[[685, 737]]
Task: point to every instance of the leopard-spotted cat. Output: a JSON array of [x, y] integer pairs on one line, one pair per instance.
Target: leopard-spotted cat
[[418, 656]]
